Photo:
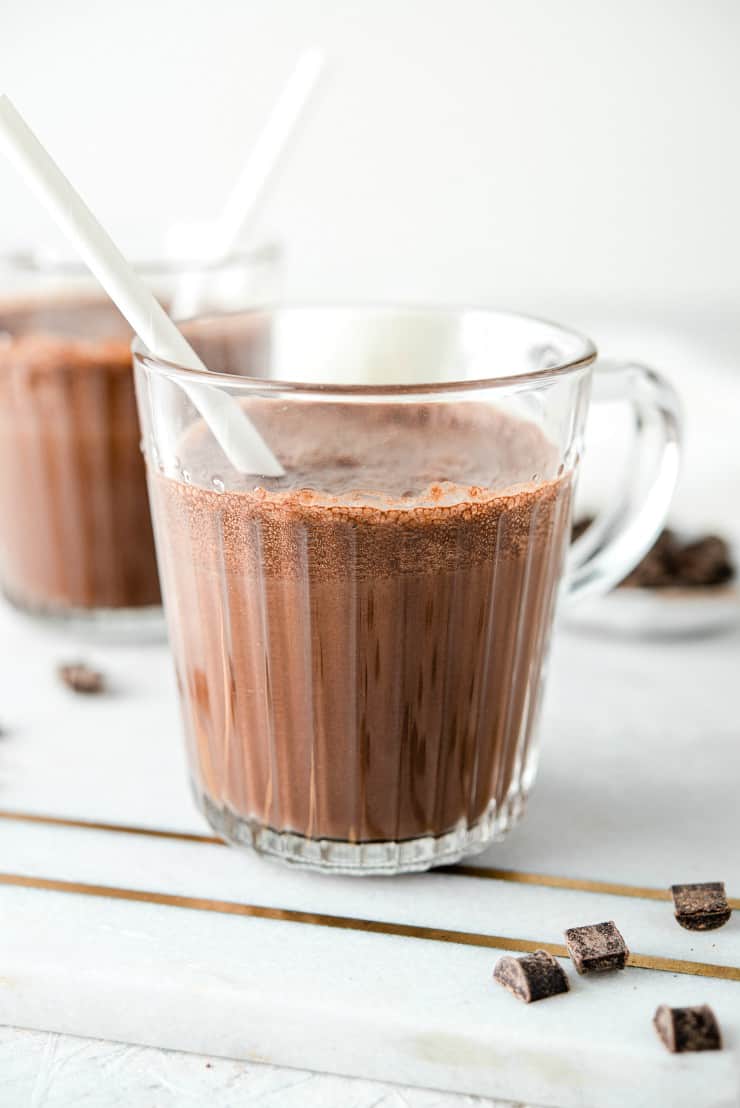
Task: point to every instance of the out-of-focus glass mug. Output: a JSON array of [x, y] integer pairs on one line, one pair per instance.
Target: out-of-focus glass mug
[[76, 541], [360, 642]]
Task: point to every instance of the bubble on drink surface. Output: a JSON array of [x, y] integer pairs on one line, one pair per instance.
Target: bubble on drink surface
[[218, 484]]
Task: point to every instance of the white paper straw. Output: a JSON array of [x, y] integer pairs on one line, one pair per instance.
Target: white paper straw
[[267, 152], [237, 437], [222, 237]]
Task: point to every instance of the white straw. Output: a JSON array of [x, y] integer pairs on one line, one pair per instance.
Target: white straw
[[222, 237], [237, 437], [267, 152]]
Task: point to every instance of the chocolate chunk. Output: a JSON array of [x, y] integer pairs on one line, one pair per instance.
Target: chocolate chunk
[[657, 570], [579, 527], [701, 907], [683, 1029], [596, 947], [705, 562], [532, 977], [672, 563], [81, 678]]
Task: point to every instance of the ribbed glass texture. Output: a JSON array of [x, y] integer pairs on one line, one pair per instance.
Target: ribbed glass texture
[[357, 674], [360, 639]]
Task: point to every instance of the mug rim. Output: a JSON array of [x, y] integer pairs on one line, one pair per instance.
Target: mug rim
[[585, 356], [38, 263]]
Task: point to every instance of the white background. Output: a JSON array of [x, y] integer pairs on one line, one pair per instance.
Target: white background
[[539, 153], [577, 159]]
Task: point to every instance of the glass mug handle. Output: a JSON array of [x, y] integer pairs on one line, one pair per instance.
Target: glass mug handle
[[624, 531]]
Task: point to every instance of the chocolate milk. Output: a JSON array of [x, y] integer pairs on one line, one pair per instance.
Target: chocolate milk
[[359, 644], [75, 530]]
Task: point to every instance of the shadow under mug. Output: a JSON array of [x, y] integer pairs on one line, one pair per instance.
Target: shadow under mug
[[360, 640]]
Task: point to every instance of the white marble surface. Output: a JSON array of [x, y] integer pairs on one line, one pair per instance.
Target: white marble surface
[[450, 901], [45, 1070], [371, 1005], [636, 740]]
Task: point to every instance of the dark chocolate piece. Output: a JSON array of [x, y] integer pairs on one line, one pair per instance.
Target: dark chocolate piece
[[671, 563], [532, 977], [705, 562], [580, 526], [701, 907], [596, 947], [81, 678], [657, 570], [683, 1029]]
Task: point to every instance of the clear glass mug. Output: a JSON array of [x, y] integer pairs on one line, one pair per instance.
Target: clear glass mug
[[360, 642], [76, 543]]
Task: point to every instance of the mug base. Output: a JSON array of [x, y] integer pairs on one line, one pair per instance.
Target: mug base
[[145, 624], [369, 858]]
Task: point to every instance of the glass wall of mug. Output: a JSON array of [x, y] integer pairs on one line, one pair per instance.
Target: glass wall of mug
[[361, 548], [76, 541]]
